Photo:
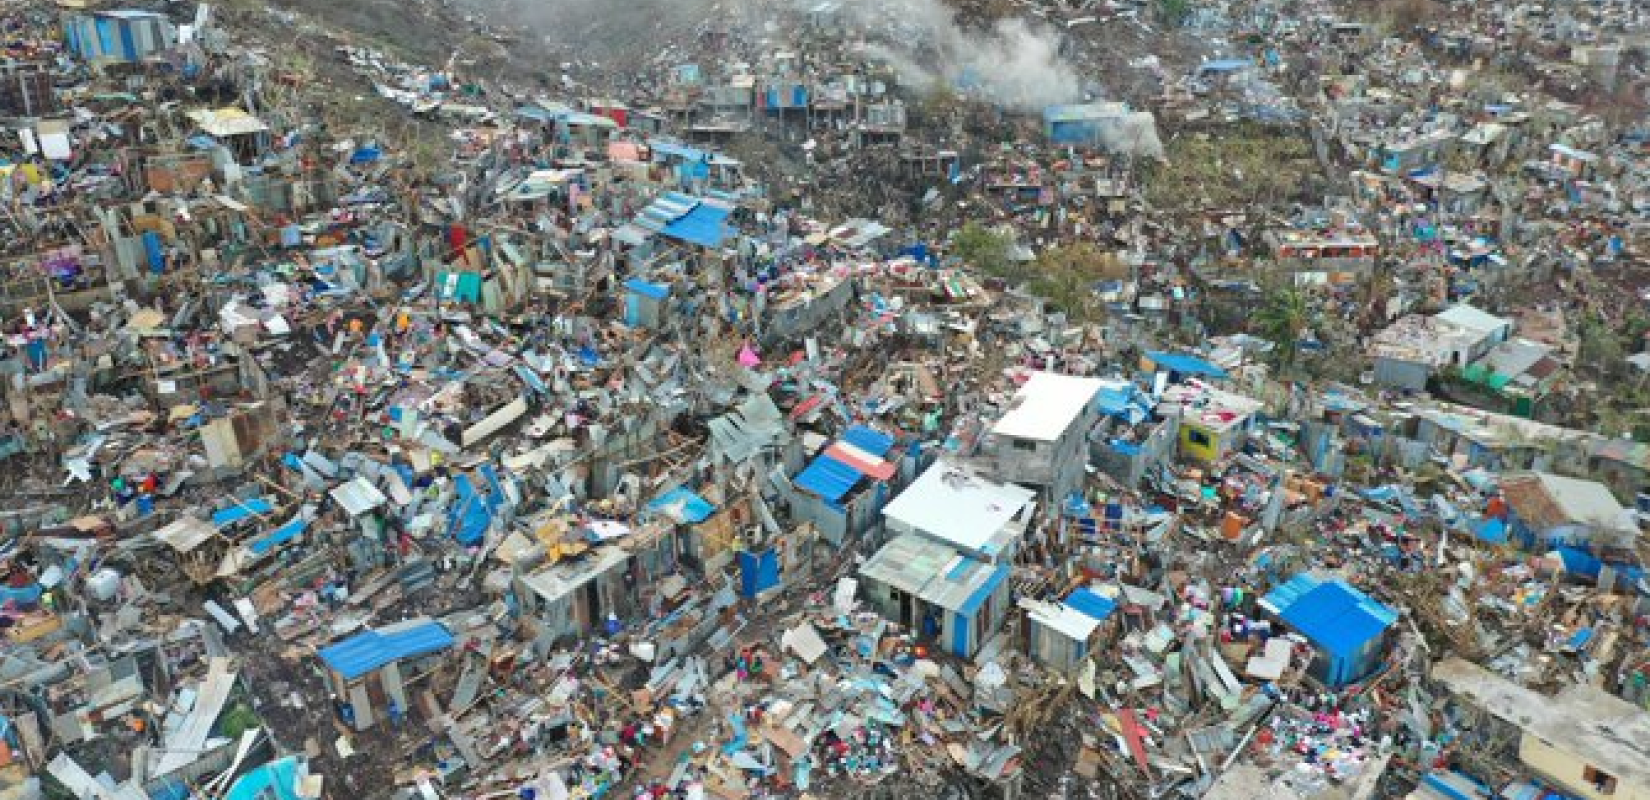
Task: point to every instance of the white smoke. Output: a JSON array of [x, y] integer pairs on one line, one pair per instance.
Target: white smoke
[[1015, 63]]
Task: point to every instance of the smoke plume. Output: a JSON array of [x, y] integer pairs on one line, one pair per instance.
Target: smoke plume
[[1015, 63]]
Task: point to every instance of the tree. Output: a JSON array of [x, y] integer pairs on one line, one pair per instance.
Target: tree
[[237, 720], [1407, 15], [1175, 12], [1599, 347], [1065, 276], [986, 250], [1282, 319]]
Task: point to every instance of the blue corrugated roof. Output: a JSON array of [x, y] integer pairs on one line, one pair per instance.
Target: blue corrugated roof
[[369, 650], [1185, 364], [279, 536], [664, 149], [827, 477], [130, 13], [1338, 618], [978, 598], [1223, 65], [1285, 594], [657, 291], [579, 118], [704, 225], [535, 113], [686, 218], [869, 440], [1090, 604], [693, 508], [242, 510]]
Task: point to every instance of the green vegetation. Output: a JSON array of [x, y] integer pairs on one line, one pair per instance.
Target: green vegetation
[[239, 719], [1247, 166], [1065, 277], [1281, 320], [986, 251], [1599, 348], [1174, 12]]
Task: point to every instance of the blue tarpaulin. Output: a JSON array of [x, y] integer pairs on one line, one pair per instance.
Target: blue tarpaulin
[[1579, 562], [682, 504], [471, 511], [155, 251], [370, 650], [1492, 531], [23, 597], [1186, 364], [758, 572], [1127, 403], [242, 510]]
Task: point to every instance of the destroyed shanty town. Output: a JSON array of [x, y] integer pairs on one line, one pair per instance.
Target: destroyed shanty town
[[556, 399]]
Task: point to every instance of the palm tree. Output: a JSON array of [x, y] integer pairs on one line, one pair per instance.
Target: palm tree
[[1282, 319]]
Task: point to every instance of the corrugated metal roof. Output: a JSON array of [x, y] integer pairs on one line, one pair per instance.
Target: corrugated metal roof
[[743, 432], [185, 533], [662, 148], [1338, 618], [370, 650], [870, 440], [1467, 318], [1542, 501], [827, 477], [862, 462], [993, 577], [242, 510], [857, 455], [949, 502], [1063, 619], [686, 218], [657, 291], [279, 536], [703, 225], [358, 496], [1091, 603], [908, 563], [1285, 594]]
